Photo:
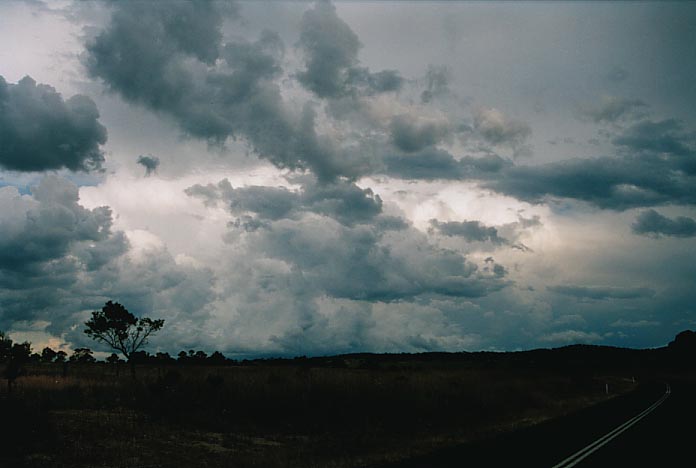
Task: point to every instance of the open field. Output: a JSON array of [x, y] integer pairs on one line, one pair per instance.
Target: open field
[[299, 413]]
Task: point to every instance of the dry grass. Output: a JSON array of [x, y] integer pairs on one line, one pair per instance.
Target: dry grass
[[290, 416]]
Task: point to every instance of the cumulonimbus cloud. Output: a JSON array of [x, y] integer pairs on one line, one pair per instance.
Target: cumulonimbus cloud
[[40, 131]]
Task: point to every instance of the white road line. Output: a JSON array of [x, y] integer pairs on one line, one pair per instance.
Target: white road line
[[581, 454]]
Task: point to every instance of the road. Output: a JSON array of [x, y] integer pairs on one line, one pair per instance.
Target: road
[[663, 436]]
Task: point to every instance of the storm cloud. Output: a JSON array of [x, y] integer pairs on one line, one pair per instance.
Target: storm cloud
[[45, 227], [41, 131], [433, 163], [472, 231], [343, 201], [349, 178], [47, 242], [411, 136], [331, 58], [212, 90], [337, 237], [652, 223], [617, 183], [58, 259]]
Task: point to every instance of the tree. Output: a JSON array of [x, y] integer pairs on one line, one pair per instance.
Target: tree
[[5, 347], [82, 356], [217, 359], [60, 356], [114, 360], [684, 341], [48, 355], [14, 355], [121, 330]]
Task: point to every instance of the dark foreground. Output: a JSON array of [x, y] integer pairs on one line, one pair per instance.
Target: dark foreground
[[434, 410], [664, 437]]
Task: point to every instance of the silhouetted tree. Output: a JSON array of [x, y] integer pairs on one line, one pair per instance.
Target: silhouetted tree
[[60, 356], [164, 358], [114, 361], [82, 356], [161, 360], [121, 330], [140, 357], [685, 341], [15, 356], [217, 359], [48, 355], [5, 347]]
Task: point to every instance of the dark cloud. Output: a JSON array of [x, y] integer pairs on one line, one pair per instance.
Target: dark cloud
[[343, 201], [40, 131], [608, 182], [364, 263], [170, 58], [47, 242], [472, 231], [655, 164], [331, 58], [652, 223], [432, 163], [59, 259], [613, 109], [428, 164], [663, 142], [602, 292], [150, 163], [340, 245], [410, 136], [46, 226], [475, 231], [379, 82]]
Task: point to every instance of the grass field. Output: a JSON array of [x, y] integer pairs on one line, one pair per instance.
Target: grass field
[[276, 416]]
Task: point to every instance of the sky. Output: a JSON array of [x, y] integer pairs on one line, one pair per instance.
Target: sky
[[299, 178]]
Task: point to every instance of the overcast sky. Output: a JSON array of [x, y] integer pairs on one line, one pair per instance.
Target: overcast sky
[[291, 178]]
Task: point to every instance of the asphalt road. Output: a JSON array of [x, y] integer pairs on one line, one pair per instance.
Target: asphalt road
[[663, 438]]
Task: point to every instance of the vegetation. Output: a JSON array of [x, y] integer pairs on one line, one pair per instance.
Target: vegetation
[[15, 356], [204, 410], [121, 330]]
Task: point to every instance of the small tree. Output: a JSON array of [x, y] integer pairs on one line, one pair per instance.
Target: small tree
[[14, 355], [121, 330], [82, 356], [114, 360], [5, 347], [60, 356], [48, 355]]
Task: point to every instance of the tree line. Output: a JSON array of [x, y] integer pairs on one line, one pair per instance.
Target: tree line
[[113, 325], [127, 335]]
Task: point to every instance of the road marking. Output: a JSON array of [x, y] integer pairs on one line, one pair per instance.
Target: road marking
[[581, 454]]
